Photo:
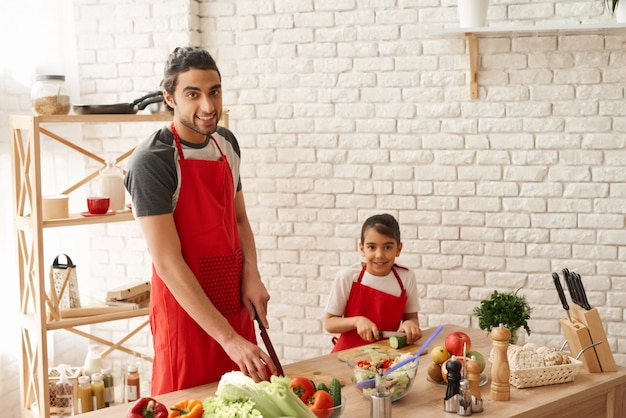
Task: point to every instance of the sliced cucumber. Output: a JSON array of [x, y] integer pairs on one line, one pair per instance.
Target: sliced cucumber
[[397, 341]]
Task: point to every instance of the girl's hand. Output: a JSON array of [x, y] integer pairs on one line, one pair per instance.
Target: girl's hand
[[367, 329], [412, 330]]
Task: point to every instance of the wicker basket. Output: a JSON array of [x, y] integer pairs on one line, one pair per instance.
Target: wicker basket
[[543, 376]]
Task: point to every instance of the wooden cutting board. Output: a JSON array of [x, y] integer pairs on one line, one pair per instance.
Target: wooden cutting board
[[384, 345], [317, 376], [378, 345]]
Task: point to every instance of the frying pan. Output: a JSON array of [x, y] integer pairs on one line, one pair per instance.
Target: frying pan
[[120, 108]]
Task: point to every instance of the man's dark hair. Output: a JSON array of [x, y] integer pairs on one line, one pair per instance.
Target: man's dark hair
[[183, 59]]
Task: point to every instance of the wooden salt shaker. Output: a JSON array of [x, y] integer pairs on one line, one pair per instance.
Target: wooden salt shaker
[[500, 372], [473, 376]]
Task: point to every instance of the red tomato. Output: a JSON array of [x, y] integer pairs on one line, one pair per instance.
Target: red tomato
[[321, 404], [302, 387]]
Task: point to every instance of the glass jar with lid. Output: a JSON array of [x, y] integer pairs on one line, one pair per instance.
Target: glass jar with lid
[[50, 95]]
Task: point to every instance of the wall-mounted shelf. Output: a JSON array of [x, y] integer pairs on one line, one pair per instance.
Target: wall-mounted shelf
[[473, 34]]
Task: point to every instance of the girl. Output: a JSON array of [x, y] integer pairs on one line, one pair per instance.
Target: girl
[[374, 296]]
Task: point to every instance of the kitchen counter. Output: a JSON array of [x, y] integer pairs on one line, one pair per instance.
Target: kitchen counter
[[590, 395]]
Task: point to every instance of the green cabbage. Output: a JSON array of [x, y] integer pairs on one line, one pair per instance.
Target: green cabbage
[[238, 396], [216, 407]]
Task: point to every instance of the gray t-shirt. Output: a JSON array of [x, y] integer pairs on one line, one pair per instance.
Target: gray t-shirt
[[153, 174]]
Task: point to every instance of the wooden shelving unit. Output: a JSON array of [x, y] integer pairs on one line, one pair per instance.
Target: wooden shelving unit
[[472, 35], [27, 133]]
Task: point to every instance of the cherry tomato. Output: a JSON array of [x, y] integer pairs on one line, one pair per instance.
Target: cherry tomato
[[321, 404], [302, 387]]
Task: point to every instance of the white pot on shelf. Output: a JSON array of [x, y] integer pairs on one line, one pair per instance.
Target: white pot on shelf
[[620, 12], [472, 13]]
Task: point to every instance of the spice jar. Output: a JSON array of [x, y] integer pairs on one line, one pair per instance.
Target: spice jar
[[50, 95], [132, 384]]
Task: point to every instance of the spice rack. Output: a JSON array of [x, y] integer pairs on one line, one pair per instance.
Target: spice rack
[[27, 134]]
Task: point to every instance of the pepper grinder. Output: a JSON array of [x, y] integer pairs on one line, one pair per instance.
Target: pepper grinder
[[500, 372], [473, 376], [451, 401], [380, 400]]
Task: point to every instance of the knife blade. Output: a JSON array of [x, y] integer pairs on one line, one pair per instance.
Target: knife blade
[[388, 334], [559, 290], [268, 344], [584, 302]]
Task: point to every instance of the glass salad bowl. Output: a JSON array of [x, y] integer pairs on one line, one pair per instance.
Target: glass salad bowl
[[334, 412], [398, 382]]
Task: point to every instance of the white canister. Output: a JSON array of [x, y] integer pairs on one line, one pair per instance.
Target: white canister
[[472, 13], [55, 207], [112, 185]]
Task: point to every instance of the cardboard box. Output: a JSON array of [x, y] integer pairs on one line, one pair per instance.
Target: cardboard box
[[138, 292]]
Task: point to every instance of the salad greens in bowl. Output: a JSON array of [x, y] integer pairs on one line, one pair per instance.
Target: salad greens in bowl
[[397, 382]]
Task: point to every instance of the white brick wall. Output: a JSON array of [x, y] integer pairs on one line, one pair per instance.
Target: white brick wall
[[345, 109]]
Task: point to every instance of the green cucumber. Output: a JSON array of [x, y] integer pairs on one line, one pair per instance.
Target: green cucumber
[[397, 341], [335, 391], [322, 386]]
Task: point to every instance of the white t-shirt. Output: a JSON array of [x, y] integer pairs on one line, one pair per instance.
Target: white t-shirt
[[338, 298]]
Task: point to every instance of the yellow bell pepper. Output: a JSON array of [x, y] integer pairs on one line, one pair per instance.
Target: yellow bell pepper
[[189, 409]]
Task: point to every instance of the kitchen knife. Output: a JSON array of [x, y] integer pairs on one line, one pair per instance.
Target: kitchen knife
[[578, 283], [559, 290], [388, 334], [570, 286], [268, 344]]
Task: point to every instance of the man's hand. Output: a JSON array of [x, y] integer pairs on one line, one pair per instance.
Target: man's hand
[[252, 361]]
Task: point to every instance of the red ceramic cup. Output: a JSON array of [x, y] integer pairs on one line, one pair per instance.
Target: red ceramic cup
[[98, 205]]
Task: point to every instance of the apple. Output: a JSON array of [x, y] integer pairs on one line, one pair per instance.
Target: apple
[[439, 354], [479, 358], [455, 341]]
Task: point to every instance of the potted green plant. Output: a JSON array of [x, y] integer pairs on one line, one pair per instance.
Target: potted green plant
[[509, 309]]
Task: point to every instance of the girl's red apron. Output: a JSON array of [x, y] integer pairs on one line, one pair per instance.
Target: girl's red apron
[[206, 221], [385, 310]]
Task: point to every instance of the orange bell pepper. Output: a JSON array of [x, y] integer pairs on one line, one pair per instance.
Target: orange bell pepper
[[189, 409]]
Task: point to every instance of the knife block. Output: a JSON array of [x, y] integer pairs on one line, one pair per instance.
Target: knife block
[[585, 329], [578, 337]]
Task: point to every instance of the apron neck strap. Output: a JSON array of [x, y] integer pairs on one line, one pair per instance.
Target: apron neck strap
[[180, 148], [393, 269]]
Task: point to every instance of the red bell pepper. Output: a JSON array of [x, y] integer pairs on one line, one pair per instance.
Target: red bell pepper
[[147, 408]]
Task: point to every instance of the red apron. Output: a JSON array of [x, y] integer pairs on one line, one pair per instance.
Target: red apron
[[206, 221], [385, 310]]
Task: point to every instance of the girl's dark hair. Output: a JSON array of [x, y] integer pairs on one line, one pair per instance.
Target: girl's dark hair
[[383, 224], [183, 59]]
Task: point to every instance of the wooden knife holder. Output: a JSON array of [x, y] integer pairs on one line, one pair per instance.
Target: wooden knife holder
[[586, 332]]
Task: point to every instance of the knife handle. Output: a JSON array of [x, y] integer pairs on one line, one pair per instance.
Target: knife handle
[[570, 285], [559, 290], [581, 291]]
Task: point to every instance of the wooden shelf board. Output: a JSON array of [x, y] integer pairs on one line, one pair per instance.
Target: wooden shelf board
[[96, 319], [521, 31]]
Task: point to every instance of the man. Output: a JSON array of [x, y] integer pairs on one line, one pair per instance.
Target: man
[[187, 197]]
